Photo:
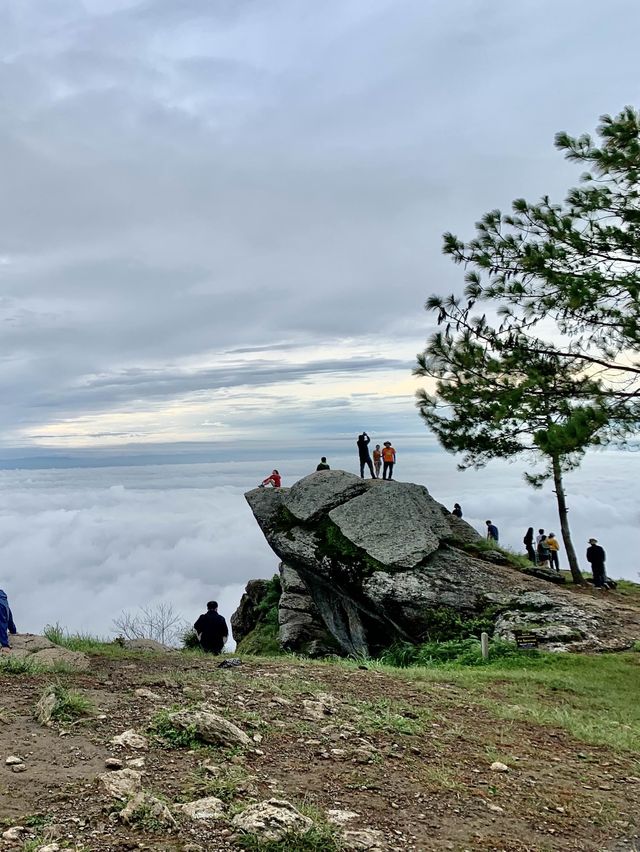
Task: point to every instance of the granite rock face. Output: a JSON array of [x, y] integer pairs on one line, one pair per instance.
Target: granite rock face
[[246, 617], [367, 562]]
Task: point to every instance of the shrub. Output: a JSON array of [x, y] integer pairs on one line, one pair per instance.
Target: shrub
[[465, 652]]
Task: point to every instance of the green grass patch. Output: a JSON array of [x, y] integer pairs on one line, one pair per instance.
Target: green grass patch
[[263, 641], [69, 703], [84, 642], [169, 735], [460, 652], [226, 785], [591, 697], [10, 665], [317, 839], [390, 717]]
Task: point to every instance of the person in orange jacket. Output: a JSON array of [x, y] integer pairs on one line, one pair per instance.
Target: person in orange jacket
[[389, 459], [377, 460], [275, 479]]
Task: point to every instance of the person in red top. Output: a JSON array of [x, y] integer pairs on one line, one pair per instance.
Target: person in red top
[[389, 459], [275, 479]]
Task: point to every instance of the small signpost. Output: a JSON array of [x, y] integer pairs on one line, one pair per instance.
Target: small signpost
[[484, 645], [525, 640]]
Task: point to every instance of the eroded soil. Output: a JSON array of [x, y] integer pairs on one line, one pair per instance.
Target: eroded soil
[[412, 758]]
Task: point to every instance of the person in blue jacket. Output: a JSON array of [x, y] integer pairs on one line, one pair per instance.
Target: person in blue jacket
[[6, 622]]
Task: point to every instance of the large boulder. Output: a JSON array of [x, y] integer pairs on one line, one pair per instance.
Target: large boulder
[[372, 562]]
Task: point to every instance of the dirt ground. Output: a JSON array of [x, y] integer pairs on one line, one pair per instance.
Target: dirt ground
[[411, 758]]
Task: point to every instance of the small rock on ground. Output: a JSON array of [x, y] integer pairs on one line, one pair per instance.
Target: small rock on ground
[[364, 840], [272, 819], [122, 783], [207, 808], [210, 728], [150, 806], [130, 739], [496, 766]]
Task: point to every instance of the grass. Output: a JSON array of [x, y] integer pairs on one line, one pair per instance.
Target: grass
[[389, 716], [168, 735], [591, 697], [81, 641], [10, 665], [317, 839], [225, 786], [462, 652], [69, 704]]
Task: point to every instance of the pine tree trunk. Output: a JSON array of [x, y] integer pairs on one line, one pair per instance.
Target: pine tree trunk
[[564, 522]]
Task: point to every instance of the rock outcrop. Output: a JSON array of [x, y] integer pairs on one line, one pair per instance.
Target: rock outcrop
[[43, 654], [366, 563], [245, 619]]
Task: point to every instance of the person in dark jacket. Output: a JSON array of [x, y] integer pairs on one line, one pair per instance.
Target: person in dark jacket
[[457, 510], [211, 629], [6, 623], [492, 532], [596, 556], [528, 543], [363, 453], [323, 464]]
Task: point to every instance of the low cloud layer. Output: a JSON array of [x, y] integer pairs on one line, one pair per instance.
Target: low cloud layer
[[81, 546]]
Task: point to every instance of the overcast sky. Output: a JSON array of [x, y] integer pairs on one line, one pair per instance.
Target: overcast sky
[[219, 219]]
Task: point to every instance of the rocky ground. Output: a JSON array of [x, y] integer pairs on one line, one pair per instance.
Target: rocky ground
[[372, 758]]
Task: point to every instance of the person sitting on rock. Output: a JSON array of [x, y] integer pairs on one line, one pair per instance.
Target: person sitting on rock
[[457, 510], [323, 464], [6, 623], [492, 532], [211, 629], [274, 479]]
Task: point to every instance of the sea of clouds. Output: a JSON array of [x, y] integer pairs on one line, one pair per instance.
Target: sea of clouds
[[79, 546]]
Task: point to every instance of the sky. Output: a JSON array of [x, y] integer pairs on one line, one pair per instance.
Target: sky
[[219, 222], [220, 219]]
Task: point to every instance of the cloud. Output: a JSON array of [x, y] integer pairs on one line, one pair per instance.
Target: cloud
[[81, 546]]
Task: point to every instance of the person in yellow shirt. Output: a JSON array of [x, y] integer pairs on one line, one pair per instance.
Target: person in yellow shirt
[[389, 459], [554, 546]]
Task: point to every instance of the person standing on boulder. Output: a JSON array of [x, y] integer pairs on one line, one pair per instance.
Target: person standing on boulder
[[6, 623], [554, 546], [389, 459], [596, 556], [492, 532], [323, 464], [528, 543], [363, 454], [211, 630], [377, 460]]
